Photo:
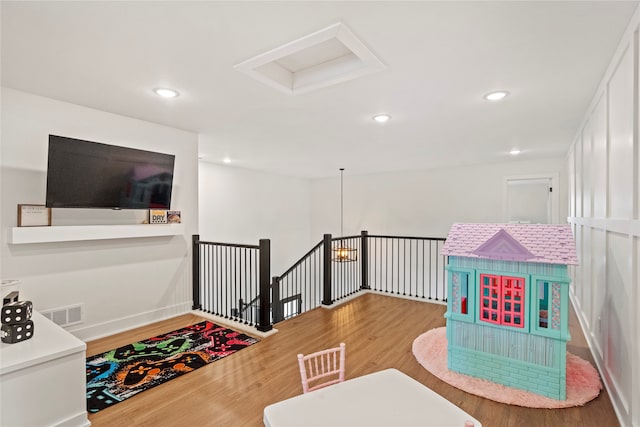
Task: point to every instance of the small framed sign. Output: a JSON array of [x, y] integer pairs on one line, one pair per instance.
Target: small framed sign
[[33, 215], [157, 216]]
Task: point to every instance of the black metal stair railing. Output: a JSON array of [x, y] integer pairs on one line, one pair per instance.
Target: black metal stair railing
[[346, 275], [407, 266], [233, 281], [299, 289]]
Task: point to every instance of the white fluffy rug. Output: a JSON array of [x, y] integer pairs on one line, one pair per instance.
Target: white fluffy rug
[[583, 381]]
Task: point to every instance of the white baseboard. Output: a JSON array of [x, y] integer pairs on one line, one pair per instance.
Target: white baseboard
[[239, 326], [381, 293], [78, 420], [105, 329]]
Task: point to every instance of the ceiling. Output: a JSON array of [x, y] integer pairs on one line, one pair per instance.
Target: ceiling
[[440, 58]]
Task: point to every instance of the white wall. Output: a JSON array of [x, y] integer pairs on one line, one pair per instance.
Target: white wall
[[124, 282], [604, 204], [242, 206], [422, 203]]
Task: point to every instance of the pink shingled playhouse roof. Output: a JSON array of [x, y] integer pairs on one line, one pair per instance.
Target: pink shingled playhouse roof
[[550, 243]]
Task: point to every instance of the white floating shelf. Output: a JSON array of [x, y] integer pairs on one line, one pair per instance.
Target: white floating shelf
[[71, 233]]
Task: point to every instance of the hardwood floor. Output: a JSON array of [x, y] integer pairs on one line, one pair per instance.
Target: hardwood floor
[[378, 330]]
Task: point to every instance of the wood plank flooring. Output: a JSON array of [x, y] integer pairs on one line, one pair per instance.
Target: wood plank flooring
[[378, 330]]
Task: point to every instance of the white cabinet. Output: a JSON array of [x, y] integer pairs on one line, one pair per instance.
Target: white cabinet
[[42, 380]]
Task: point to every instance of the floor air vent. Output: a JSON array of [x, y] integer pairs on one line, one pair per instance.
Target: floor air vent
[[66, 316]]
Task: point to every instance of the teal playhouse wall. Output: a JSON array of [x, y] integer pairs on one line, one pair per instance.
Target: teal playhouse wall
[[508, 304]]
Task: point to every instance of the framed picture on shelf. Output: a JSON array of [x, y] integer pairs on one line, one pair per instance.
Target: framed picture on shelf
[[33, 215], [174, 217]]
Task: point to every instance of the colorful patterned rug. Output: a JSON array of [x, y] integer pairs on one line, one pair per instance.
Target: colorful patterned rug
[[126, 371]]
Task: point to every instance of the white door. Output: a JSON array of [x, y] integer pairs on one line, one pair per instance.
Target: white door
[[529, 200]]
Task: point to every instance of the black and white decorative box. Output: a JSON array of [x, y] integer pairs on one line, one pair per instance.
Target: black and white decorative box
[[16, 312], [16, 322], [14, 333]]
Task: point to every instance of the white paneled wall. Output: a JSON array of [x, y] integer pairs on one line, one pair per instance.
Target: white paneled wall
[[636, 261], [604, 203], [621, 157], [599, 158]]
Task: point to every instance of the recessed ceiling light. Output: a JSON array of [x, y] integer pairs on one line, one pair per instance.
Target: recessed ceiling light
[[226, 160], [382, 118], [514, 152], [166, 93], [496, 96]]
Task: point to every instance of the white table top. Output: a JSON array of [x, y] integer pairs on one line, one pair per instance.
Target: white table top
[[385, 398], [49, 342]]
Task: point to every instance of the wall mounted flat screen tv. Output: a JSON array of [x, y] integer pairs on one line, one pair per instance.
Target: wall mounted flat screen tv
[[85, 174]]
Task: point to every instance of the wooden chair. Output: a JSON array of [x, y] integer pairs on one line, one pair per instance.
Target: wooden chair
[[322, 368]]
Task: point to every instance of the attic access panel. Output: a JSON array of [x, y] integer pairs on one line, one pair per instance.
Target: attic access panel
[[324, 58]]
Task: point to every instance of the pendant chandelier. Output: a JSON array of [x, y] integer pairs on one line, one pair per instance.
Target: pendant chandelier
[[343, 253]]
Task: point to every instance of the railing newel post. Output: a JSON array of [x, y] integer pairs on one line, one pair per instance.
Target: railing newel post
[[195, 272], [326, 268], [264, 316], [364, 259], [276, 308]]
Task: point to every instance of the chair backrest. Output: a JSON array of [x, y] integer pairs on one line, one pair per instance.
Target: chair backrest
[[322, 368]]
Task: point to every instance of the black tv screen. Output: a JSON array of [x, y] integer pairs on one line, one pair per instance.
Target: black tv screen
[[85, 174]]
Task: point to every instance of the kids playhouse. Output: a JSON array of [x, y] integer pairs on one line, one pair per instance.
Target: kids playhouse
[[508, 302]]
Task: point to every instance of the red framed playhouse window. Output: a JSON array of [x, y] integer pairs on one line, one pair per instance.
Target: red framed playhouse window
[[502, 300]]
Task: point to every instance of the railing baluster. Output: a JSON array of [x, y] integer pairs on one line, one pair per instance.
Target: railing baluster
[[418, 268], [215, 270], [423, 269], [246, 278], [437, 273], [430, 277], [392, 258], [248, 313], [396, 261], [236, 280], [204, 279], [404, 266], [215, 297], [410, 268], [212, 268], [207, 276], [380, 279]]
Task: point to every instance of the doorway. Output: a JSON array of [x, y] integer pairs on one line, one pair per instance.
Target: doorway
[[530, 200]]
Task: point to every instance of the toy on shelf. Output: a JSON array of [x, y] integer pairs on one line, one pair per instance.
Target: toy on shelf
[[508, 303]]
